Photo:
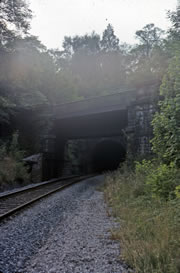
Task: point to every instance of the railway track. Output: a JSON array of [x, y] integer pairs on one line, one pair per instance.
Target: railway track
[[15, 201]]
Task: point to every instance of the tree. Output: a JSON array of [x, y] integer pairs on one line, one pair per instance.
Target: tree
[[149, 58], [149, 37], [19, 81], [84, 45], [174, 31], [173, 41], [98, 65], [79, 61], [109, 41], [14, 20], [166, 123]]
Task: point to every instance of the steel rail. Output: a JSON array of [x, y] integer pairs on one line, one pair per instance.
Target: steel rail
[[41, 196], [39, 185]]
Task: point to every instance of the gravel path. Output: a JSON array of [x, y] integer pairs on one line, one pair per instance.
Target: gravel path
[[67, 232]]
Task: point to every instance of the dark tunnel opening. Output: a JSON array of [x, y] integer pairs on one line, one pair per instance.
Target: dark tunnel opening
[[107, 156]]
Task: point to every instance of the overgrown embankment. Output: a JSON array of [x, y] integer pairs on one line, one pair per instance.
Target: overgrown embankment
[[149, 225], [146, 200]]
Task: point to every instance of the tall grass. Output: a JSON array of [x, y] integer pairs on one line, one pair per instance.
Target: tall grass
[[149, 231]]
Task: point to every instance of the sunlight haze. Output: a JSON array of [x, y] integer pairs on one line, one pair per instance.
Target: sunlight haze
[[56, 18]]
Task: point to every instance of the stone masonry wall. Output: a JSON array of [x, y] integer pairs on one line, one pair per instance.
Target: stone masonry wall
[[139, 131]]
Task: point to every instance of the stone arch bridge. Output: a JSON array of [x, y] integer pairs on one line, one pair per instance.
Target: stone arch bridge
[[104, 131]]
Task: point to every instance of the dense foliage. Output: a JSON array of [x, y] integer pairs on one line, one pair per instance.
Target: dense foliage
[[166, 123], [161, 175], [12, 169], [14, 21], [146, 199]]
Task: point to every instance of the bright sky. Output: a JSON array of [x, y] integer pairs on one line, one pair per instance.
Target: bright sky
[[53, 19]]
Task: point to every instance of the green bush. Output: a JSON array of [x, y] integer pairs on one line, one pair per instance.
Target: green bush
[[166, 122], [160, 180], [12, 168], [177, 192], [163, 180], [143, 168]]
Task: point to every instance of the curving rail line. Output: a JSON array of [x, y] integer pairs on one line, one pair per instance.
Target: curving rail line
[[15, 201]]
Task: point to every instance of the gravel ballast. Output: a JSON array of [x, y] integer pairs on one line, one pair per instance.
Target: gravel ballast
[[68, 232]]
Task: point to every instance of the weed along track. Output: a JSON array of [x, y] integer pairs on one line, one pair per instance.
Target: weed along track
[[15, 201]]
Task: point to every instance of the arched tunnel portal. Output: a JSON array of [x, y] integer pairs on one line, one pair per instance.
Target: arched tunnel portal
[[107, 156], [97, 155]]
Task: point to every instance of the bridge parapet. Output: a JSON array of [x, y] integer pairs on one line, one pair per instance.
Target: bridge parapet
[[109, 103], [102, 104]]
